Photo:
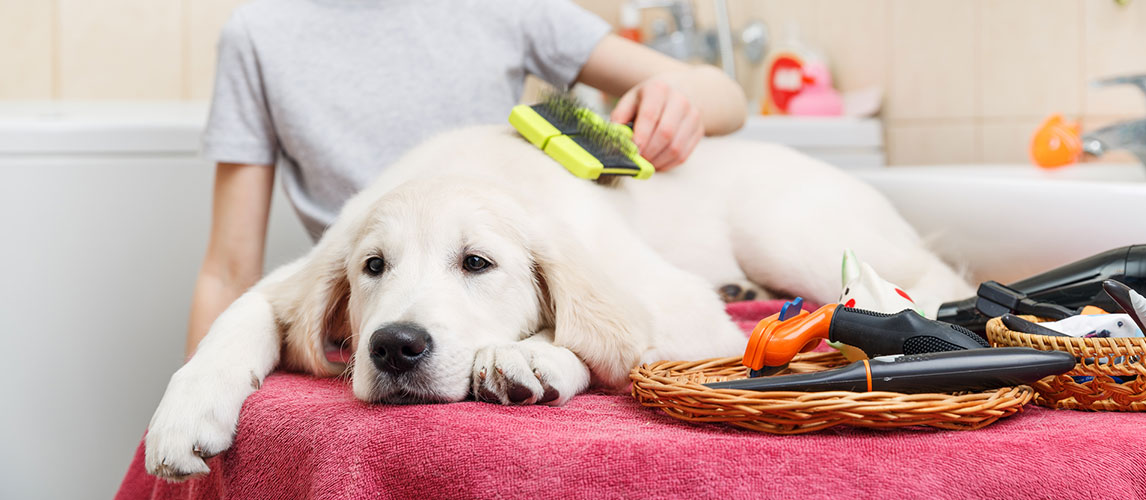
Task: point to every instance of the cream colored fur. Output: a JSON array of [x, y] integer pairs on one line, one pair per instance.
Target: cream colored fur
[[587, 281]]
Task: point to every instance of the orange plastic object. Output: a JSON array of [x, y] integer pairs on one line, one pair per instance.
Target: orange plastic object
[[1092, 310], [775, 343], [633, 34], [1056, 143]]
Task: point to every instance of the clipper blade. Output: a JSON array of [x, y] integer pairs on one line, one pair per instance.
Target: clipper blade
[[767, 371]]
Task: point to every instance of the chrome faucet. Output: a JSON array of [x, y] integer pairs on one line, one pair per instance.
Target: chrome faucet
[[684, 43], [1129, 135], [688, 42]]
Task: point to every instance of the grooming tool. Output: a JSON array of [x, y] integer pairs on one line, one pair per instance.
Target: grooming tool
[[774, 343], [863, 288], [956, 371], [1089, 310], [1071, 286], [1132, 302], [791, 308], [580, 140], [996, 299], [1021, 325]]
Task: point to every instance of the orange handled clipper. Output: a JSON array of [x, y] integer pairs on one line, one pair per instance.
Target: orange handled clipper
[[774, 342], [779, 338]]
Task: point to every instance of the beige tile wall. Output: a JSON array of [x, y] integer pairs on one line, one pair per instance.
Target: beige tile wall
[[965, 80], [27, 49], [135, 53]]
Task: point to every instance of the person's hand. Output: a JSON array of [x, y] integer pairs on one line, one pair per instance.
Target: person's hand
[[666, 125]]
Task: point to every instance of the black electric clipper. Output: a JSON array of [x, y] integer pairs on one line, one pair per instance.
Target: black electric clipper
[[954, 371], [905, 332], [774, 342], [1070, 287]]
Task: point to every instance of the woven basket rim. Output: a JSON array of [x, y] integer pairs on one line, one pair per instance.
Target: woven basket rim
[[1101, 392], [675, 387], [1080, 342]]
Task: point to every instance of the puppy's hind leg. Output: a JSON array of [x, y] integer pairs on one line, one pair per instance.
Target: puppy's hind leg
[[804, 258], [930, 282]]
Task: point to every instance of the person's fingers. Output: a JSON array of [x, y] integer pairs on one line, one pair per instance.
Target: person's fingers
[[626, 108], [682, 143], [676, 109], [649, 108]]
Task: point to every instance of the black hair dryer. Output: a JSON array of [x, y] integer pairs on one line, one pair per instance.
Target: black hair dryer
[[1072, 286]]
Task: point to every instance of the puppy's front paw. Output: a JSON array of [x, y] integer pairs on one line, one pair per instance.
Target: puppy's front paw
[[195, 420], [531, 371]]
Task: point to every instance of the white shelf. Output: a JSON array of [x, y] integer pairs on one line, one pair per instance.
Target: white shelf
[[106, 127], [842, 141]]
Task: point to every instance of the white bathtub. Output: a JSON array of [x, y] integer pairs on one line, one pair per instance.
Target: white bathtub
[[1006, 222], [105, 210]]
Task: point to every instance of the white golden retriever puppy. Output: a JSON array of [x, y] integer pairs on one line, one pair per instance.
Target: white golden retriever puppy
[[478, 266]]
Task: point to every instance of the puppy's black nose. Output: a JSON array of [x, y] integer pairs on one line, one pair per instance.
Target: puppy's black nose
[[398, 347]]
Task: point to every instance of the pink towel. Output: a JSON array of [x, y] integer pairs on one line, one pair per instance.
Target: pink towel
[[301, 437], [747, 314]]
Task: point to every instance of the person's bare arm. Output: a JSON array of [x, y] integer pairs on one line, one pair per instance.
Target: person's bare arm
[[672, 104], [234, 260]]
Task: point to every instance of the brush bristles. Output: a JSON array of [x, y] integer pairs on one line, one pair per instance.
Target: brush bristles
[[609, 180], [609, 141]]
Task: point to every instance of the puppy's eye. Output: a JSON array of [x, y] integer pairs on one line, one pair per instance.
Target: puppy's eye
[[374, 266], [475, 264]]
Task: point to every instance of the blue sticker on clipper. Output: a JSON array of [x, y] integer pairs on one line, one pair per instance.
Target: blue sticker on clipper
[[791, 308]]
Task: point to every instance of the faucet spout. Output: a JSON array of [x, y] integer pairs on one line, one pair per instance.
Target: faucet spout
[[1129, 136]]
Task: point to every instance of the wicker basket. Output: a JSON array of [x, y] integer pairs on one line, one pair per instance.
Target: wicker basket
[[675, 387], [1101, 392]]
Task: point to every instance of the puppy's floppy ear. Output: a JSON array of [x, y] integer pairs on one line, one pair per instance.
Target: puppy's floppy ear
[[311, 303], [588, 311]]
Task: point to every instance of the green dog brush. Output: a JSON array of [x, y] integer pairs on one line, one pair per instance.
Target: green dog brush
[[584, 143]]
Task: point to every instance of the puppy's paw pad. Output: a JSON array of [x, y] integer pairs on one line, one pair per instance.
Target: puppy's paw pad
[[517, 393], [558, 386], [550, 396], [502, 374], [172, 472], [741, 291], [171, 461]]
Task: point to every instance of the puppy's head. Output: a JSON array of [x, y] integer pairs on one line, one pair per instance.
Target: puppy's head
[[422, 278]]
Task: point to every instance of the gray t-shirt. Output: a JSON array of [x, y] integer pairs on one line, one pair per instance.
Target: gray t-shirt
[[332, 91]]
